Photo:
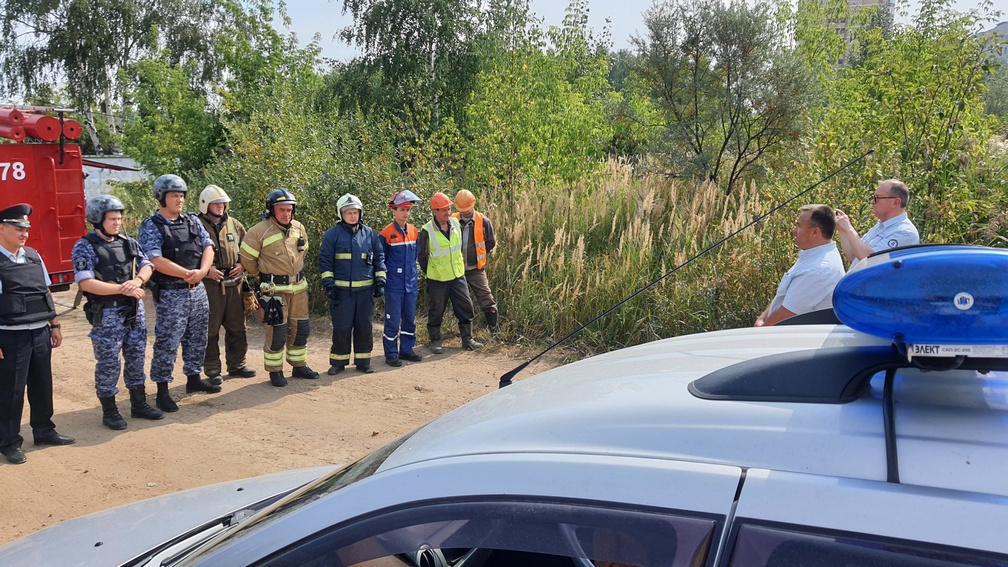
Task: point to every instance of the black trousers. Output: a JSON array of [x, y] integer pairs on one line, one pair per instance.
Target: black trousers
[[26, 364], [351, 314], [438, 295]]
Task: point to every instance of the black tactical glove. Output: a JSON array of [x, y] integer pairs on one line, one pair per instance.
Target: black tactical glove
[[379, 288], [330, 292]]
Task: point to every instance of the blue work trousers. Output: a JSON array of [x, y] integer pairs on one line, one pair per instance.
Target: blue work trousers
[[399, 335]]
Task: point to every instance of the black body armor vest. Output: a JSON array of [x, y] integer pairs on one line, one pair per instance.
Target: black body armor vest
[[24, 297], [117, 263], [181, 244]]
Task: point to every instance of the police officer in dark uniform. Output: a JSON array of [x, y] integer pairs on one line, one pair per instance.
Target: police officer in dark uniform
[[110, 269], [182, 254], [29, 331]]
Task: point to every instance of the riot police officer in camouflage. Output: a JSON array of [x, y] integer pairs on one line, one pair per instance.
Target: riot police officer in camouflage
[[182, 253], [110, 269]]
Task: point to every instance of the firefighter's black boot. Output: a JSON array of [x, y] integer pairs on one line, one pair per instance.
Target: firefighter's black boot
[[139, 406], [304, 372], [163, 399], [111, 417], [278, 379], [196, 384]]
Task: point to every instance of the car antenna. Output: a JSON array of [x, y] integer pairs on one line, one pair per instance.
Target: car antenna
[[506, 378]]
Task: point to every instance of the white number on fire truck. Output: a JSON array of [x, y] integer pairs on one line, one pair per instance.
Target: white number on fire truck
[[16, 170]]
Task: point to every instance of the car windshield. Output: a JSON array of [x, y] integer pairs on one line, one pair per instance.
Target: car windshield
[[345, 476]]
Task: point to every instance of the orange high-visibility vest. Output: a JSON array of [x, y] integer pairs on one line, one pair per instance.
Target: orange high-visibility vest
[[478, 238]]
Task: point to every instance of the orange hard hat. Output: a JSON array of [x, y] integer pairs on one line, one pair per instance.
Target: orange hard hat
[[465, 201], [440, 201]]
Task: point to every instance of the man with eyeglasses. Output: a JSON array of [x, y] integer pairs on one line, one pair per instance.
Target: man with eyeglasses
[[892, 230]]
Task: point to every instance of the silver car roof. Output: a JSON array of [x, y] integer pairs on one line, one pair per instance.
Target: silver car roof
[[636, 402]]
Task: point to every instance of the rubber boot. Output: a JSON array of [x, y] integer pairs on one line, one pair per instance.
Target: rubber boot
[[468, 342], [163, 399], [491, 321], [111, 417], [139, 406], [195, 384], [435, 340]]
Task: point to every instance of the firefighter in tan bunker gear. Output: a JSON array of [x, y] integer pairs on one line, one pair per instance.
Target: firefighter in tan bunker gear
[[224, 288], [274, 250]]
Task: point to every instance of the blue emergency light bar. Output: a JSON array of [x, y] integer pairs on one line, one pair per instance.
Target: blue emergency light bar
[[929, 296]]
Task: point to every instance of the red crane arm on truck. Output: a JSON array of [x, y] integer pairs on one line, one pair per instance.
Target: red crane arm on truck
[[49, 176]]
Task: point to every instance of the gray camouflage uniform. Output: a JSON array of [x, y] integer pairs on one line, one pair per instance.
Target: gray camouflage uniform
[[112, 335], [182, 314]]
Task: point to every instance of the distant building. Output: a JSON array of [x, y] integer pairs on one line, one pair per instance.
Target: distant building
[[886, 7], [100, 170], [1002, 30]]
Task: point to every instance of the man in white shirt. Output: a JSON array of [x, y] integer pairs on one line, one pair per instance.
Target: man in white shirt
[[808, 285], [892, 230]]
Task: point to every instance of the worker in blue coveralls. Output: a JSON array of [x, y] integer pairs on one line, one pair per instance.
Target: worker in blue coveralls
[[110, 269], [182, 254], [352, 264], [399, 241]]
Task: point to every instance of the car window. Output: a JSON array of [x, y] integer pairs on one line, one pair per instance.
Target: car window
[[762, 546], [496, 534]]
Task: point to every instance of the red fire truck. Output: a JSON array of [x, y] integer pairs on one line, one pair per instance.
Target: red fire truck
[[39, 166]]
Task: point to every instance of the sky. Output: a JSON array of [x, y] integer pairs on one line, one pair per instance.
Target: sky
[[324, 17], [625, 19]]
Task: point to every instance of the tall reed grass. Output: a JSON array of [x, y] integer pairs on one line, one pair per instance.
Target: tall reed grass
[[565, 255]]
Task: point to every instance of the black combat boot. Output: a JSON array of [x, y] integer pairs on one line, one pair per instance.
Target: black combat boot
[[278, 379], [139, 406], [195, 384], [111, 417], [214, 377], [163, 399], [242, 372]]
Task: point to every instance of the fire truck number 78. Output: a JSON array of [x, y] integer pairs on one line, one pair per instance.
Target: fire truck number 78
[[16, 170]]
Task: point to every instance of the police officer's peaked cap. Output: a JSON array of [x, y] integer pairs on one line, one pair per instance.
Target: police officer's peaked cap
[[17, 215]]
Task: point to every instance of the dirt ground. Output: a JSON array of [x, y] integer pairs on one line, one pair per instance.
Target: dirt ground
[[249, 429]]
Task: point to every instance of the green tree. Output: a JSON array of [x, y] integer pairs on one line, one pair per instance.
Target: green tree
[[996, 97], [728, 88], [84, 45], [538, 111], [914, 94], [418, 59], [170, 128]]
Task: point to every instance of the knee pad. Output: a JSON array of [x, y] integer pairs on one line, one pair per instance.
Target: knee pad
[[303, 329], [279, 337]]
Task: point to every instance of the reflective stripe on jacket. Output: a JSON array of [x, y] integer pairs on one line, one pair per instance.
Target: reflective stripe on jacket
[[444, 255], [269, 248], [400, 257], [351, 257]]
